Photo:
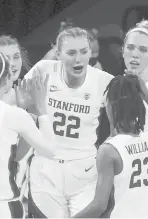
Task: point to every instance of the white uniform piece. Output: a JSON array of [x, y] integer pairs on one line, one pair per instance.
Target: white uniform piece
[[10, 97], [146, 116], [11, 123], [131, 185], [22, 175], [8, 141], [65, 185]]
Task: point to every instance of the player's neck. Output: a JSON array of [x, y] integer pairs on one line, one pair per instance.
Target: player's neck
[[72, 81], [115, 132]]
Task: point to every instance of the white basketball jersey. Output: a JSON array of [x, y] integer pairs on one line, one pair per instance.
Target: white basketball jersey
[[146, 116], [131, 185], [74, 112], [8, 140]]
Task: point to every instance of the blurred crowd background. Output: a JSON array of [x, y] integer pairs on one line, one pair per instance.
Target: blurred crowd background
[[35, 23]]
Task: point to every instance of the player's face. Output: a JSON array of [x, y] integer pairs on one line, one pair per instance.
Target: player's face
[[12, 52], [75, 54], [135, 52]]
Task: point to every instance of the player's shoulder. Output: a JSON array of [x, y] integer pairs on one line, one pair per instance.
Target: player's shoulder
[[144, 135], [116, 139], [99, 77], [106, 151], [98, 73], [43, 63], [4, 107], [44, 66], [9, 112]]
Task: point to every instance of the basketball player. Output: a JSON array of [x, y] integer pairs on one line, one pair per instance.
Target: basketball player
[[135, 54], [11, 48], [122, 159], [74, 97], [14, 121], [17, 56], [94, 45]]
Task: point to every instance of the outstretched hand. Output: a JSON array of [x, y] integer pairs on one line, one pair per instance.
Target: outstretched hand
[[23, 99], [39, 92]]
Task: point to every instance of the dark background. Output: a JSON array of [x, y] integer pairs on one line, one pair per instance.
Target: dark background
[[36, 22], [19, 17]]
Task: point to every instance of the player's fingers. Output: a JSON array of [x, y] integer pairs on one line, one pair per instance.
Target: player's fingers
[[19, 83], [15, 88], [38, 82], [46, 81], [34, 74], [32, 84], [41, 80], [24, 84]]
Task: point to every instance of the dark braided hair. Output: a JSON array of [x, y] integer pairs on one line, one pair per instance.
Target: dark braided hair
[[103, 129], [128, 111]]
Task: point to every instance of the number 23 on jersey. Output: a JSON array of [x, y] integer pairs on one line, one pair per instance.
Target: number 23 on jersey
[[136, 179]]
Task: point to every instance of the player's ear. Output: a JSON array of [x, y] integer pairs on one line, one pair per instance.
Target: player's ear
[[122, 51]]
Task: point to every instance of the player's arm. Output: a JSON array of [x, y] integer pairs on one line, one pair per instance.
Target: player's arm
[[23, 124], [105, 168]]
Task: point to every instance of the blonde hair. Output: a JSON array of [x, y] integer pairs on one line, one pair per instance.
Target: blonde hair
[[141, 27], [71, 32]]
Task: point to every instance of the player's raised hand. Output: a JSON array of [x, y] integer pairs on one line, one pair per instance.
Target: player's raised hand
[[39, 92], [23, 99]]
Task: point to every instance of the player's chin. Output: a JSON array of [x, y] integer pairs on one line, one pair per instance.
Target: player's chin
[[15, 77]]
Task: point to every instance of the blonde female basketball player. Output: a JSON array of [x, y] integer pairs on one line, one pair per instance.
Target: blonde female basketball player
[[73, 88], [135, 54]]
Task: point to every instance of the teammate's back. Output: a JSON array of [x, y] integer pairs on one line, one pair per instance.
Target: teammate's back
[[8, 140], [131, 185]]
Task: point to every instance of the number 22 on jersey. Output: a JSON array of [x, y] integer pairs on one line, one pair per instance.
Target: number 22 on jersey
[[71, 129]]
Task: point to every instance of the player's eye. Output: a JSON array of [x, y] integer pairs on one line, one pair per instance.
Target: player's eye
[[71, 53], [143, 49], [130, 47], [84, 52]]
